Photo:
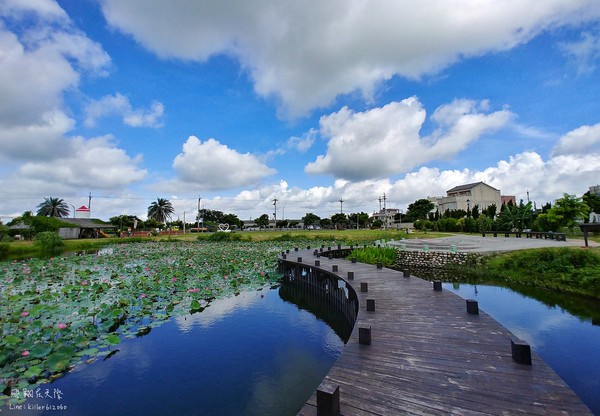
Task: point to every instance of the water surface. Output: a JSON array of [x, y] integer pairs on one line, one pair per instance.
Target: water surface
[[254, 354], [569, 344]]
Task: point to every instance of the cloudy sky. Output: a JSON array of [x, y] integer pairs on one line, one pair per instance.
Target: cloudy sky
[[240, 102]]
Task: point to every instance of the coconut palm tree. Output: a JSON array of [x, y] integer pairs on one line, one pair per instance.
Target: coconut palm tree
[[161, 210], [53, 207]]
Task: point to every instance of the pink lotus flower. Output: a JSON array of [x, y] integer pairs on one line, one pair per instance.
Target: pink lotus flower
[[195, 290], [61, 326], [143, 295], [25, 353], [174, 279], [24, 314], [84, 283]]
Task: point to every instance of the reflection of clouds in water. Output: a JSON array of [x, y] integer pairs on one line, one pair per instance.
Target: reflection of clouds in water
[[536, 335], [527, 318], [217, 310], [131, 353]]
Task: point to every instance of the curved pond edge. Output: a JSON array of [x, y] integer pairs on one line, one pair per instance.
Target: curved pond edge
[[425, 353]]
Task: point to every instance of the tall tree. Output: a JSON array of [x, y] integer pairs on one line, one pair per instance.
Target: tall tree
[[517, 216], [53, 207], [571, 209], [311, 219], [490, 211], [232, 220], [419, 209], [592, 201], [161, 210], [339, 219], [262, 221]]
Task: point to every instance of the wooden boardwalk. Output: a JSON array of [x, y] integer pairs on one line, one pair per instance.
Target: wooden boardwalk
[[428, 356]]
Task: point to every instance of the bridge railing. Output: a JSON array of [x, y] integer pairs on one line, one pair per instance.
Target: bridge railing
[[320, 285]]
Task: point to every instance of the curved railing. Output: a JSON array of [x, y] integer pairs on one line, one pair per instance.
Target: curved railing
[[320, 285]]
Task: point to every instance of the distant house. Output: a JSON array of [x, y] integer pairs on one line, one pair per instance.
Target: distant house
[[82, 212], [386, 216], [85, 228], [466, 196], [20, 228]]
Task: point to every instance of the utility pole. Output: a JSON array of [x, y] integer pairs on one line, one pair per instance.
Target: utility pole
[[341, 205], [90, 202], [384, 213], [198, 217], [275, 213]]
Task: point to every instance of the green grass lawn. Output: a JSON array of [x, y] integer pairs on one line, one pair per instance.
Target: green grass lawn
[[24, 249]]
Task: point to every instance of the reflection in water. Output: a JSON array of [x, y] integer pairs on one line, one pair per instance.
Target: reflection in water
[[318, 307], [253, 354], [217, 311], [568, 343]]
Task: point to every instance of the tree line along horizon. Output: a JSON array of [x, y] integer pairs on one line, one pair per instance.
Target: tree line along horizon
[[566, 213]]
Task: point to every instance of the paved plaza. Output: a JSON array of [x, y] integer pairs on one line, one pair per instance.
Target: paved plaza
[[477, 243]]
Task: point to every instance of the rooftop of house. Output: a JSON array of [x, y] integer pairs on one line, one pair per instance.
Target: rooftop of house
[[467, 186], [87, 223]]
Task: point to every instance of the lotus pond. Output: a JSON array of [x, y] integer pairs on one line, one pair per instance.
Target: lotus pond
[[60, 313]]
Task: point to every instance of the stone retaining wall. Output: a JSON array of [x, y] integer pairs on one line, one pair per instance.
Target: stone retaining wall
[[435, 259]]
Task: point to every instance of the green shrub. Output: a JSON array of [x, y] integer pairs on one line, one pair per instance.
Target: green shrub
[[49, 241], [289, 237], [373, 255], [562, 269], [4, 248], [221, 236]]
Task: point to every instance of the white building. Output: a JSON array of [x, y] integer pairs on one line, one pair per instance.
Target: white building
[[466, 196], [386, 216], [82, 212]]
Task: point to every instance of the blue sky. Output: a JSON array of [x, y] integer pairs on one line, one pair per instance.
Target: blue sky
[[242, 102]]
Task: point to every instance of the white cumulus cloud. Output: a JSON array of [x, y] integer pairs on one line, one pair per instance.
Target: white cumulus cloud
[[119, 105], [386, 140], [581, 141], [304, 54], [38, 63], [211, 165], [96, 163]]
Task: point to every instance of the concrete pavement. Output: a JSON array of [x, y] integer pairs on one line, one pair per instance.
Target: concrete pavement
[[487, 244]]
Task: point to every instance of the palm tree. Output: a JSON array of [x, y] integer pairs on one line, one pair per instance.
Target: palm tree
[[53, 207], [161, 210]]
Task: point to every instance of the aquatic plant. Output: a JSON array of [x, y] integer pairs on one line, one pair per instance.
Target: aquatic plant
[[61, 312]]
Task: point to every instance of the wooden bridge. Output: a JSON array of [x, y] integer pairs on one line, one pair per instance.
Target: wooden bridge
[[418, 350]]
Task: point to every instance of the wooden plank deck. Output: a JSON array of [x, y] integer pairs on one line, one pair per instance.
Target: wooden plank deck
[[428, 356]]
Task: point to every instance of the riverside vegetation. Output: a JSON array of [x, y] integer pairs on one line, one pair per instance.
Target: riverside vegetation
[[61, 312], [65, 311], [564, 270]]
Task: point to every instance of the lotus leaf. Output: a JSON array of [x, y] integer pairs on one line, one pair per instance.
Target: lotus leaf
[[63, 309]]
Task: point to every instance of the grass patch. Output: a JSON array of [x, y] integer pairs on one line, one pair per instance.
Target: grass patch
[[565, 270], [372, 255], [24, 249]]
